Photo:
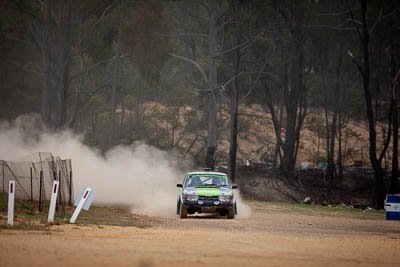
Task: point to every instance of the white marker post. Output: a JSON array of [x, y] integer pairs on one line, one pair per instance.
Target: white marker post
[[83, 201], [11, 193], [53, 201]]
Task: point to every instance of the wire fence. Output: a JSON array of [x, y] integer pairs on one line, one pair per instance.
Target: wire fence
[[34, 175]]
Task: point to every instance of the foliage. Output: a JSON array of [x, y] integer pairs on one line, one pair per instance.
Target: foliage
[[150, 77]]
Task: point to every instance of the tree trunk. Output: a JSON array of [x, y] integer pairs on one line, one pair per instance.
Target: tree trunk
[[212, 86], [378, 172], [340, 159], [327, 127], [45, 108], [234, 97], [331, 154], [121, 122], [293, 95], [302, 115], [278, 124], [278, 133], [77, 103], [116, 79], [395, 159], [63, 58]]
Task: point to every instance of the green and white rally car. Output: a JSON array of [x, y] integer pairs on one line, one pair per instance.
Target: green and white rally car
[[206, 192]]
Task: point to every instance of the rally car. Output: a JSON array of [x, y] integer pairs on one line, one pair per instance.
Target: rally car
[[206, 192]]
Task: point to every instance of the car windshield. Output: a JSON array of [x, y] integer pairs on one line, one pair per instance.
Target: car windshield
[[206, 180]]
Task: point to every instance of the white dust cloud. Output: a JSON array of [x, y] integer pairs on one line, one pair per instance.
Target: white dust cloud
[[243, 210], [139, 176]]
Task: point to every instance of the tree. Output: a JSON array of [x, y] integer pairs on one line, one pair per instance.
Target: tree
[[364, 69], [62, 58], [116, 76], [237, 12], [292, 82], [213, 12]]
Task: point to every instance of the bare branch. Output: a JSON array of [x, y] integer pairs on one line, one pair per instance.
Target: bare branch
[[202, 90], [90, 68], [197, 65], [274, 79], [242, 45], [355, 62], [184, 35], [97, 21], [201, 19], [377, 20], [103, 14], [389, 132], [380, 18], [27, 68], [336, 14], [356, 25]]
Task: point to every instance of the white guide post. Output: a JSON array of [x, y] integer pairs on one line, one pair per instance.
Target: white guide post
[[53, 201], [11, 193], [84, 195]]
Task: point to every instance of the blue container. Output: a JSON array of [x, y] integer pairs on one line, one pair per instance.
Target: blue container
[[392, 207]]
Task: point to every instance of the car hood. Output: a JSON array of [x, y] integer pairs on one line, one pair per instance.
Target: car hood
[[210, 191]]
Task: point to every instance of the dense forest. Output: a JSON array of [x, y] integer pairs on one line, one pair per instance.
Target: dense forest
[[181, 75]]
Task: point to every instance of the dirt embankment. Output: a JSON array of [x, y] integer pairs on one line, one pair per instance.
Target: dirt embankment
[[273, 235], [355, 189]]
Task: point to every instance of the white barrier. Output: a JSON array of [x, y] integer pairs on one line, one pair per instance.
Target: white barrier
[[11, 193], [83, 201], [53, 201]]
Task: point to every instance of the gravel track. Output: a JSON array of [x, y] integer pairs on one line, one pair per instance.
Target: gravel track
[[271, 236]]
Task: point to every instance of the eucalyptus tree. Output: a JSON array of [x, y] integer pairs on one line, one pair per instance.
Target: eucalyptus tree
[[365, 23], [209, 13], [286, 70]]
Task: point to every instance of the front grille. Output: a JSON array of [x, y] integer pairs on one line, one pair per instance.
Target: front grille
[[208, 198]]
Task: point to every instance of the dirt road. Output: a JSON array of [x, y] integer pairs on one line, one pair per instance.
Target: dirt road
[[272, 236]]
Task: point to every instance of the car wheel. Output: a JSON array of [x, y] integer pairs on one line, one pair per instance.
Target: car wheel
[[178, 207], [231, 213], [182, 211]]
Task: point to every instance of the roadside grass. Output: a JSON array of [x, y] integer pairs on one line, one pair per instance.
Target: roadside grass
[[108, 216], [317, 210], [27, 225], [27, 217]]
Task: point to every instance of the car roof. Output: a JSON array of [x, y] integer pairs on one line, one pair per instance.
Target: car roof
[[207, 172]]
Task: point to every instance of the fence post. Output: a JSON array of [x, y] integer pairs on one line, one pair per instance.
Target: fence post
[[59, 191], [59, 195], [3, 177], [70, 188], [31, 186], [40, 191]]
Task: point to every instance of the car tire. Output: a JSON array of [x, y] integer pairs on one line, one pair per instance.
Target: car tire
[[231, 213], [178, 207], [182, 211]]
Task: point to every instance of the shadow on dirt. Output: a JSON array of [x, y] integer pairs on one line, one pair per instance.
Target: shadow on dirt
[[205, 216]]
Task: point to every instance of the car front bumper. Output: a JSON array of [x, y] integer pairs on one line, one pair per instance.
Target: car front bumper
[[207, 206]]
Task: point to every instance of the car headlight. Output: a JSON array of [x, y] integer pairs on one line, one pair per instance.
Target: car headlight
[[225, 198], [190, 196]]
